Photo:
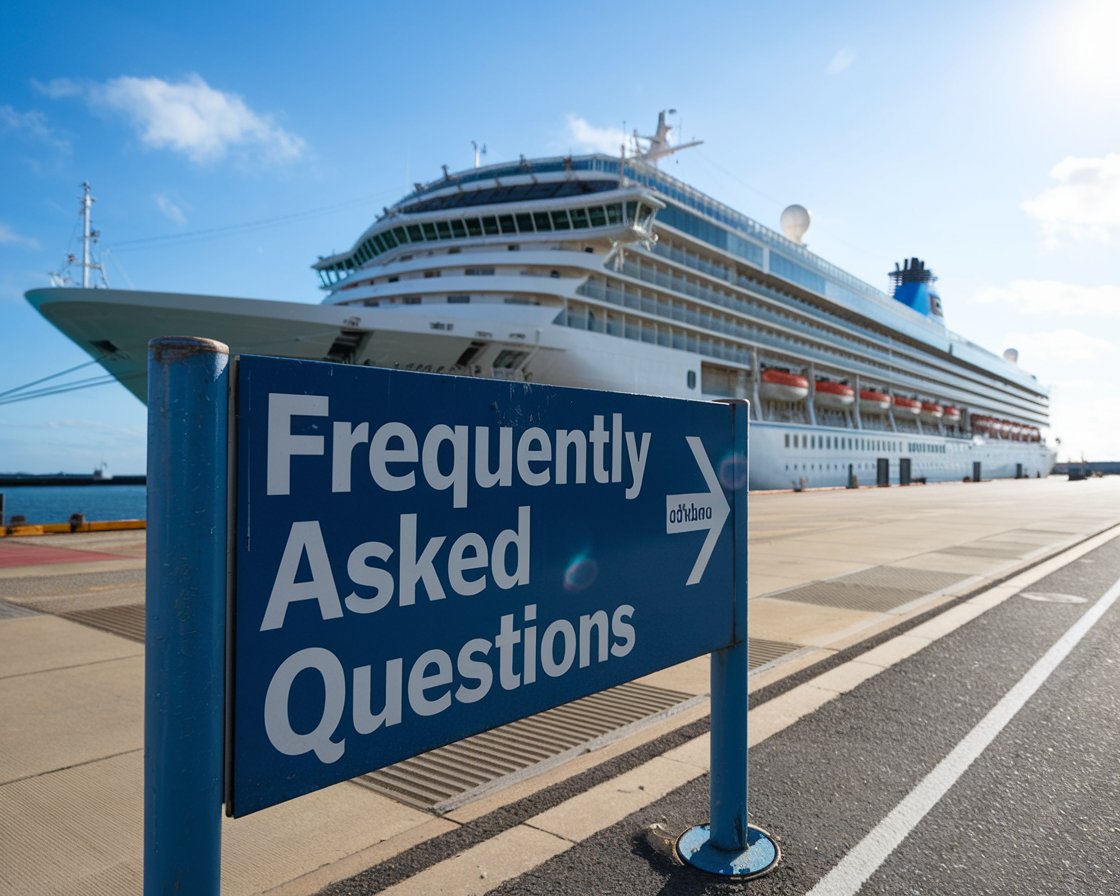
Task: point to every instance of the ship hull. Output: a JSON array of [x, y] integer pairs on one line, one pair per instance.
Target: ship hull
[[515, 342]]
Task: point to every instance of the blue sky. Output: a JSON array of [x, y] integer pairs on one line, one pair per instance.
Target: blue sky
[[230, 146]]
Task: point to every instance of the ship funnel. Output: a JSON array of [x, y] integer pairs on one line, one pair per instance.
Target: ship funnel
[[1011, 354], [795, 221]]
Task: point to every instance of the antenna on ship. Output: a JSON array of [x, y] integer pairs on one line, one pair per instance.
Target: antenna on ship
[[658, 146], [479, 152], [89, 237]]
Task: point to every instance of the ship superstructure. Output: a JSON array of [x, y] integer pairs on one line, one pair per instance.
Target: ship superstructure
[[605, 272]]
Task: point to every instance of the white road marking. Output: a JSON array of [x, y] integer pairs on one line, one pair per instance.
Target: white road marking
[[846, 878]]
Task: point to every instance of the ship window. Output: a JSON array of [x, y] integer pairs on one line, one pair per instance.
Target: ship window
[[390, 240], [525, 222], [474, 228], [507, 225], [614, 214], [458, 300], [400, 236], [631, 211], [415, 235], [509, 359], [598, 216], [560, 220], [469, 353], [428, 275], [379, 244], [429, 230], [479, 272], [490, 226], [579, 217], [412, 300], [787, 439], [543, 222], [692, 379], [458, 228]]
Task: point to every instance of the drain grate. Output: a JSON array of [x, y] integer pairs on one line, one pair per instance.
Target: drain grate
[[763, 651], [902, 577], [868, 598], [879, 589], [992, 550], [449, 776], [126, 620], [14, 611]]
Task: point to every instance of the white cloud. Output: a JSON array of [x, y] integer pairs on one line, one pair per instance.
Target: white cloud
[[188, 117], [30, 125], [1054, 297], [843, 58], [1085, 205], [1061, 346], [589, 138], [9, 237], [170, 209]]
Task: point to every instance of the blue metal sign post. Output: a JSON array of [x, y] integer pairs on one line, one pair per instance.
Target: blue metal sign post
[[185, 615]]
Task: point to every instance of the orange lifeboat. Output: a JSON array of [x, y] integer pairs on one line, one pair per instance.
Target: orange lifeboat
[[907, 406], [981, 424], [831, 394], [932, 412], [952, 415], [872, 401], [781, 385]]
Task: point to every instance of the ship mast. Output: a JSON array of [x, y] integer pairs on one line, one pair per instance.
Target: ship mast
[[89, 237]]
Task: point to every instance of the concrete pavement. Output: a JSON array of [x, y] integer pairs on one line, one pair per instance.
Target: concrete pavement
[[827, 570]]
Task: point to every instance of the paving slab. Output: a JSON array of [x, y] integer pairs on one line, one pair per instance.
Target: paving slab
[[74, 757]]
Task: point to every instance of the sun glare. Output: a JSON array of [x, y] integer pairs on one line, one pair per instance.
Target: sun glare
[[1087, 45]]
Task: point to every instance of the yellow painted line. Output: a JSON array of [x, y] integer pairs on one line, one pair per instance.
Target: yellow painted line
[[67, 529]]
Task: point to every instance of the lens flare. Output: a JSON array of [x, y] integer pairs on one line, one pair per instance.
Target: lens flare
[[580, 574], [733, 471]]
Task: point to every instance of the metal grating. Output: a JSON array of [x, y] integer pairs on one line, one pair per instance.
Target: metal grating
[[867, 598], [72, 583], [763, 651], [903, 577], [14, 611], [450, 775], [126, 620], [993, 550], [879, 589]]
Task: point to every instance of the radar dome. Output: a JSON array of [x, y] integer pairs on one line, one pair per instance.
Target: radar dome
[[1011, 354], [795, 221]]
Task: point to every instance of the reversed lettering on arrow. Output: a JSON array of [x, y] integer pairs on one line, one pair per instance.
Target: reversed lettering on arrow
[[699, 510]]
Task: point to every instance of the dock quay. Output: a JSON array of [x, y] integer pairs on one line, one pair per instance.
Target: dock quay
[[833, 576]]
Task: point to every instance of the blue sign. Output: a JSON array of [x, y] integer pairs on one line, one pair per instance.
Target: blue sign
[[423, 557]]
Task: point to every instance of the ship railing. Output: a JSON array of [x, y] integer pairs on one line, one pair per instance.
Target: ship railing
[[892, 364]]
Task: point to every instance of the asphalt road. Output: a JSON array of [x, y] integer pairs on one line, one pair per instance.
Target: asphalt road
[[1036, 811]]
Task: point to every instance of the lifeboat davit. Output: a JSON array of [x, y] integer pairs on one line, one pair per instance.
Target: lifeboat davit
[[871, 401], [906, 406], [831, 394], [932, 411], [952, 415], [781, 385]]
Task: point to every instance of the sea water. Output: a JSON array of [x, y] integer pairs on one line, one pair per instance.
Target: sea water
[[55, 503]]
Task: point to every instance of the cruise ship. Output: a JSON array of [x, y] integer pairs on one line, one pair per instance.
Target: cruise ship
[[604, 272]]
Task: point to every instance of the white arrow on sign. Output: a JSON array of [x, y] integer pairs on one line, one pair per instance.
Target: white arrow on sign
[[699, 510]]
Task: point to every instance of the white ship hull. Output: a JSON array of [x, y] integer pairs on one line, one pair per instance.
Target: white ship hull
[[115, 326]]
